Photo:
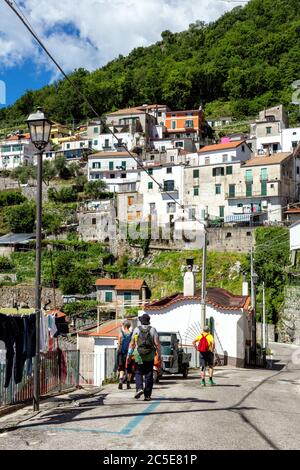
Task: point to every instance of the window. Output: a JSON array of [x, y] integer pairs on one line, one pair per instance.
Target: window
[[229, 170], [192, 213], [218, 171], [203, 214], [96, 165], [95, 142], [196, 174], [218, 188], [94, 221], [171, 208], [152, 157], [269, 130], [68, 146], [108, 296], [150, 171], [96, 130], [248, 189], [106, 143], [263, 188], [130, 200], [6, 149], [124, 165], [127, 296], [150, 185], [111, 165], [81, 144], [169, 170], [173, 124], [172, 158], [243, 148], [207, 160], [228, 234], [163, 148], [123, 175], [298, 170], [196, 190], [232, 190], [179, 144], [17, 148], [221, 212], [152, 207], [294, 144], [112, 176], [169, 185], [249, 176], [189, 123], [225, 158], [264, 174]]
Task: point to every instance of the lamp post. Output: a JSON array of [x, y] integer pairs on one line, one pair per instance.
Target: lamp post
[[39, 128]]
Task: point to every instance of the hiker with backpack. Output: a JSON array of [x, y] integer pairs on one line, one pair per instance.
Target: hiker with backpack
[[206, 346], [123, 346], [143, 346]]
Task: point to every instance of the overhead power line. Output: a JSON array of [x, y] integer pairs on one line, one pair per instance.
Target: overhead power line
[[28, 26]]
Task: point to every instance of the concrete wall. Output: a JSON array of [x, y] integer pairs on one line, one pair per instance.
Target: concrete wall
[[25, 295], [270, 332], [289, 328], [231, 327]]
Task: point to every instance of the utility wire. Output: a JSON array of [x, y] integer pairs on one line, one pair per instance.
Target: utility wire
[[26, 23]]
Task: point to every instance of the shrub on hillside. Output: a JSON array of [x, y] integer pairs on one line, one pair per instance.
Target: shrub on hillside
[[11, 198]]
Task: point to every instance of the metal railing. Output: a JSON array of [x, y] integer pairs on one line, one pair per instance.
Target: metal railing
[[58, 371]]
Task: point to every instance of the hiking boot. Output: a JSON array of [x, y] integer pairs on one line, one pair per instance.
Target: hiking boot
[[138, 394], [128, 385], [203, 383], [120, 387], [147, 399], [211, 382]]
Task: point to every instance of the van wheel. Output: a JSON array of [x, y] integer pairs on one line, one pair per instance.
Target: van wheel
[[185, 372]]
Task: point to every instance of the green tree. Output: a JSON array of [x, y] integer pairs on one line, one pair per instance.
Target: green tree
[[78, 281], [11, 198], [23, 173], [5, 264], [21, 219], [49, 172], [95, 189]]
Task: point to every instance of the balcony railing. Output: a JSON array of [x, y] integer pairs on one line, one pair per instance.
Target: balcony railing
[[243, 195]]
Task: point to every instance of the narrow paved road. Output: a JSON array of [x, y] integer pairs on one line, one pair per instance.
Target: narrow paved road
[[247, 409]]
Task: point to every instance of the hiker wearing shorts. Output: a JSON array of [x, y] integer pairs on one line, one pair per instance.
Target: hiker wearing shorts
[[206, 345]]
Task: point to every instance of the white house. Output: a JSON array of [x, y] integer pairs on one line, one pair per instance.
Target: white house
[[16, 150], [180, 312], [118, 169], [162, 202], [224, 153], [290, 139], [184, 143], [295, 236]]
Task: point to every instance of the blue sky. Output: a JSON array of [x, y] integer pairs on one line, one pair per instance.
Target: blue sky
[[87, 33]]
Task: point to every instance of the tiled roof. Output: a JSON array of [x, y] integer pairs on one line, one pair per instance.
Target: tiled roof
[[293, 211], [136, 109], [276, 158], [111, 154], [109, 329], [216, 147], [217, 297], [122, 284], [57, 313]]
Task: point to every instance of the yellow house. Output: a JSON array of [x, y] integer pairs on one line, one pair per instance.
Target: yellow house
[[58, 131]]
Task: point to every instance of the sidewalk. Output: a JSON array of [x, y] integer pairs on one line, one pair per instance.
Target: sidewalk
[[12, 417]]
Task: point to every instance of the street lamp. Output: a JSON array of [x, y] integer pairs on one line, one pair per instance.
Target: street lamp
[[39, 128]]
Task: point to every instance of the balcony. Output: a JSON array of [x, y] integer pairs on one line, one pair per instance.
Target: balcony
[[242, 195]]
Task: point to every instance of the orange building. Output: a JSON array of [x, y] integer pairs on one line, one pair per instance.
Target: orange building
[[187, 122]]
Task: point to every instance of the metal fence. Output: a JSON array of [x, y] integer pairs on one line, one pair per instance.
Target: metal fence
[[58, 371], [110, 362]]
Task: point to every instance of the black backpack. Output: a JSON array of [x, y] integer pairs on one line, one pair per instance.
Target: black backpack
[[145, 343]]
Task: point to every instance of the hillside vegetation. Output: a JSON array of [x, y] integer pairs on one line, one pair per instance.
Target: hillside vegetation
[[238, 65]]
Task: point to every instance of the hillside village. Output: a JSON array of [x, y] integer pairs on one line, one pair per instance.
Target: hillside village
[[144, 181]]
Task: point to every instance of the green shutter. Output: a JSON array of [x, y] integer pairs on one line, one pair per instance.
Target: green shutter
[[229, 170], [218, 189], [196, 173], [221, 208], [232, 190], [150, 185], [124, 165], [264, 174], [264, 188], [111, 165], [249, 176], [248, 189], [108, 296], [196, 190]]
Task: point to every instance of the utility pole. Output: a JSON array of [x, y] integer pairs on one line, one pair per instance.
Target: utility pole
[[264, 319], [253, 303], [203, 286]]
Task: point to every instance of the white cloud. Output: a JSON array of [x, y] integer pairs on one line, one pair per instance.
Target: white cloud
[[89, 33]]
